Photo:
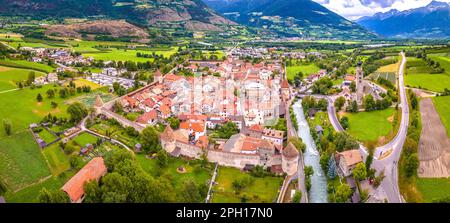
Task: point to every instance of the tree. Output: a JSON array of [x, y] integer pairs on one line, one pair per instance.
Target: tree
[[344, 122], [92, 192], [31, 77], [116, 86], [63, 93], [39, 98], [322, 104], [339, 103], [343, 193], [227, 130], [118, 107], [297, 197], [360, 172], [411, 165], [190, 192], [377, 181], [163, 159], [298, 143], [353, 107], [150, 139], [54, 104], [57, 196], [173, 122], [369, 103], [45, 196], [77, 112], [7, 126], [331, 168], [353, 86], [50, 93]]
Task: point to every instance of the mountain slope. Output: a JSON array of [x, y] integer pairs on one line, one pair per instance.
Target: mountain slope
[[191, 14], [431, 21], [290, 17]]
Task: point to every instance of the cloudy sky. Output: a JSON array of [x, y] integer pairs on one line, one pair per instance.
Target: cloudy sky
[[353, 9]]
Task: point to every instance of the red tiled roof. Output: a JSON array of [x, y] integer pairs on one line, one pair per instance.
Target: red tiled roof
[[94, 170], [149, 103], [257, 128], [143, 119], [195, 126], [164, 109], [284, 84]]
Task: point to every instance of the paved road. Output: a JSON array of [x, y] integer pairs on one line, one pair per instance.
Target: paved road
[[387, 163]]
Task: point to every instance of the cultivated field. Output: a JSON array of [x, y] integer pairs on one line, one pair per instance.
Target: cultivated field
[[434, 145], [21, 161], [418, 75]]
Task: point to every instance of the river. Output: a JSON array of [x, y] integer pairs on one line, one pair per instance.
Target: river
[[318, 192]]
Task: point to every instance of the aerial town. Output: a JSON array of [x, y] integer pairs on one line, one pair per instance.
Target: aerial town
[[103, 108]]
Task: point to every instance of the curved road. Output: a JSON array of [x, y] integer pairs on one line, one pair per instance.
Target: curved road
[[392, 151]]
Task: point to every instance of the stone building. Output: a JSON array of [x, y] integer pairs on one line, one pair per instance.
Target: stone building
[[289, 159], [359, 83]]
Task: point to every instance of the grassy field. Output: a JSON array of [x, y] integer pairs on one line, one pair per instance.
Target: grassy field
[[21, 161], [24, 64], [418, 74], [126, 54], [442, 105], [47, 136], [22, 108], [443, 59], [261, 190], [433, 188], [194, 171], [306, 69], [85, 138], [370, 126], [58, 161], [9, 76]]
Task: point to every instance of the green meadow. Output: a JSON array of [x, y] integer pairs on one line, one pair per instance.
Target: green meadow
[[433, 188], [418, 74], [370, 126], [259, 190], [442, 105], [9, 76], [193, 170], [27, 65], [306, 69]]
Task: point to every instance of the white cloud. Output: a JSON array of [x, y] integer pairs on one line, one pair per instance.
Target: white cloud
[[354, 9]]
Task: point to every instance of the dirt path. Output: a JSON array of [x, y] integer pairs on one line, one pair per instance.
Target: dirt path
[[434, 145]]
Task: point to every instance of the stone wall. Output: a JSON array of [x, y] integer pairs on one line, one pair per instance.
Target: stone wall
[[189, 150], [237, 160]]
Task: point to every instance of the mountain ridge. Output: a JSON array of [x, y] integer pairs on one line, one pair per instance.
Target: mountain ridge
[[190, 14], [430, 21], [303, 18]]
